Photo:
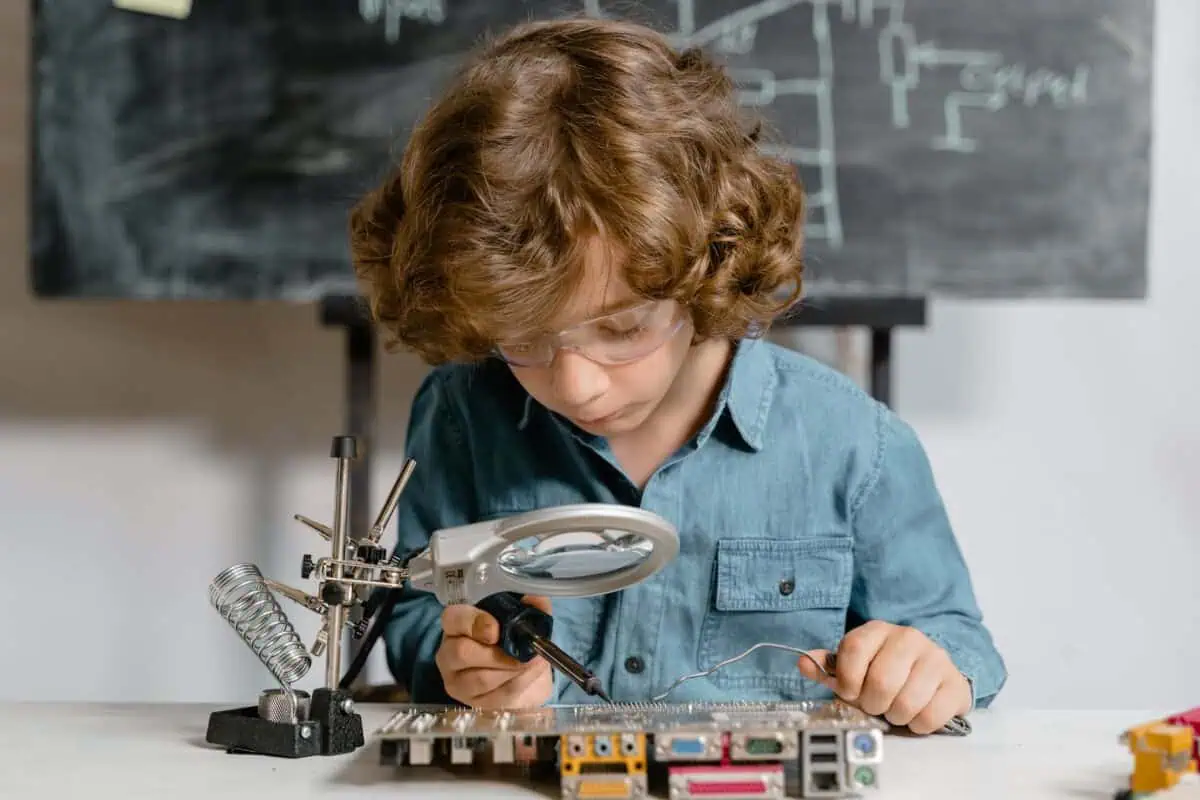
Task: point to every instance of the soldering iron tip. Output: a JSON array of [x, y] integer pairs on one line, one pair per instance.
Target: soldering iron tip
[[592, 686]]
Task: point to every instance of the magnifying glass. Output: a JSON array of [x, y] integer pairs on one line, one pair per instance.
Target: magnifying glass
[[577, 550]]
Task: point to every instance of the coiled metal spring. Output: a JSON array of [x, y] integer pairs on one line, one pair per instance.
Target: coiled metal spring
[[241, 595]]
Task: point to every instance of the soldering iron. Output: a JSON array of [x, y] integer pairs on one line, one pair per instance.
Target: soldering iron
[[525, 632]]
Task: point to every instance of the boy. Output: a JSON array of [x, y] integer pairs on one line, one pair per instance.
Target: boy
[[586, 242]]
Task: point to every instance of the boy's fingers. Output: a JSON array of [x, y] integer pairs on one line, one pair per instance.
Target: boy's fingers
[[812, 666], [458, 653], [854, 656], [506, 690], [478, 682], [886, 678], [464, 620], [485, 628], [919, 690], [939, 711], [475, 682], [538, 602]]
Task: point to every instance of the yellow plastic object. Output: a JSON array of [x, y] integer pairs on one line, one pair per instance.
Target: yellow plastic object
[[623, 753], [1162, 755]]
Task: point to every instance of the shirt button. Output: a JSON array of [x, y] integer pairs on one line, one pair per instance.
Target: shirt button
[[787, 586], [634, 664]]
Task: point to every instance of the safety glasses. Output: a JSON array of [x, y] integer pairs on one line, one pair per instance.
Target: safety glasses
[[618, 338]]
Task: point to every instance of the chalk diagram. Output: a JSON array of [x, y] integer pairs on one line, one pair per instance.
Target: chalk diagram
[[988, 83], [393, 12]]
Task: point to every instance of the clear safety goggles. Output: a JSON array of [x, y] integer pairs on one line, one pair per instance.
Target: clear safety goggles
[[618, 338]]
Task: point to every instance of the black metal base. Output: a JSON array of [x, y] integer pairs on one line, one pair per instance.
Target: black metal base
[[331, 728]]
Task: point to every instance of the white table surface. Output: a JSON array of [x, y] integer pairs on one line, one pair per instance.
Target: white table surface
[[159, 752]]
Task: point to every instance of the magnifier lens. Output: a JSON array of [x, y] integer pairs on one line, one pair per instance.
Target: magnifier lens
[[579, 550], [573, 555]]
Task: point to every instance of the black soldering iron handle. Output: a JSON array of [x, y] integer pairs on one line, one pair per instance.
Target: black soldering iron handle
[[519, 623]]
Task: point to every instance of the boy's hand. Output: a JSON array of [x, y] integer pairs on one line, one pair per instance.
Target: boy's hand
[[477, 672], [896, 672]]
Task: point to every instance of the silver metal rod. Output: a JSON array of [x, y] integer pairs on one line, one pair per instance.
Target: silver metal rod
[[393, 499], [337, 611], [295, 595], [324, 530], [333, 655]]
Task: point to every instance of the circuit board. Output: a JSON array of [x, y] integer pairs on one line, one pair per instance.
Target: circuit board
[[684, 751]]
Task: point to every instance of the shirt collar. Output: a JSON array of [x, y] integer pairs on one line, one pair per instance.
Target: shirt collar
[[750, 390], [746, 396]]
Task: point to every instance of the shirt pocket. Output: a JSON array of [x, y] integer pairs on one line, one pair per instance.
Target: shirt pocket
[[793, 592]]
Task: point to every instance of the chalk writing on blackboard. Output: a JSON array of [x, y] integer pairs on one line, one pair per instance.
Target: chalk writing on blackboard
[[987, 83], [393, 12], [955, 148]]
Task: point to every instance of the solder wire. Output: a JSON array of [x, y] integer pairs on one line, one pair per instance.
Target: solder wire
[[722, 664], [958, 726]]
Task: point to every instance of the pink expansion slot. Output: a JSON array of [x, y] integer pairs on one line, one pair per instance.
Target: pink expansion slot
[[726, 787], [732, 780]]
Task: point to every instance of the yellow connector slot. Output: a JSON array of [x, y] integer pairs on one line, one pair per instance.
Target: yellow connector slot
[[599, 788]]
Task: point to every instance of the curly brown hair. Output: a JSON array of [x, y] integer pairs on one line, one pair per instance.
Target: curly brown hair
[[561, 129]]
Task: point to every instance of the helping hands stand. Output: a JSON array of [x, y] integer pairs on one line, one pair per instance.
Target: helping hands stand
[[287, 722], [465, 564]]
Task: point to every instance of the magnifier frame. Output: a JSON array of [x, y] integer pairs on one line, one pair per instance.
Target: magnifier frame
[[461, 566]]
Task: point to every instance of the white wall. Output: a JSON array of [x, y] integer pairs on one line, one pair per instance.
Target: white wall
[[145, 447]]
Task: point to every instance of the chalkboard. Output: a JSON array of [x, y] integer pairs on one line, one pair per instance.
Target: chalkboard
[[969, 148]]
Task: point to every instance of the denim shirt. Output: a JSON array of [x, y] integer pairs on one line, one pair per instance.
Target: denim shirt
[[804, 507]]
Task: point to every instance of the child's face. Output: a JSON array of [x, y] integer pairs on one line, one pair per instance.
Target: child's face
[[649, 341]]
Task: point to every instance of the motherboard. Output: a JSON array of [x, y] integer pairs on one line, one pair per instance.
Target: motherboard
[[681, 751]]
